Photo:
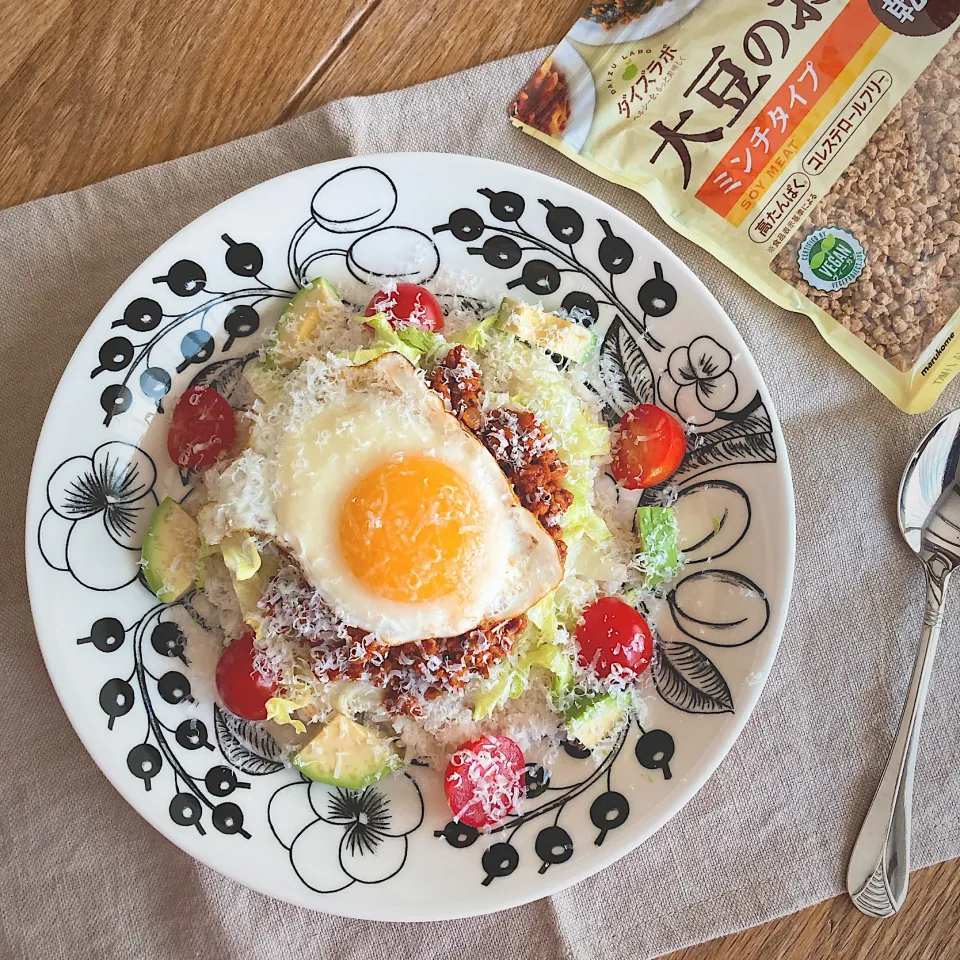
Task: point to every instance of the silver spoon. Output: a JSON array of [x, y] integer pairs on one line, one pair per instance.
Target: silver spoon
[[929, 513]]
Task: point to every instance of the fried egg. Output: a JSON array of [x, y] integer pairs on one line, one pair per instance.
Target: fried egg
[[396, 514]]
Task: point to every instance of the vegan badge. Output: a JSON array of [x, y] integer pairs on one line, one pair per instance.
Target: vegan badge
[[831, 258]]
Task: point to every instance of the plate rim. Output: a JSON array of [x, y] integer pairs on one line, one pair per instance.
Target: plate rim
[[723, 744]]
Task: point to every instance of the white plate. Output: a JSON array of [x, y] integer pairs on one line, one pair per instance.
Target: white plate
[[659, 18], [212, 784]]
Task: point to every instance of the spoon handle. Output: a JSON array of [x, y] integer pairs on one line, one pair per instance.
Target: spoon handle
[[879, 868]]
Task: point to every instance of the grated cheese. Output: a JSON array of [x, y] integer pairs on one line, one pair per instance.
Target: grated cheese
[[303, 646]]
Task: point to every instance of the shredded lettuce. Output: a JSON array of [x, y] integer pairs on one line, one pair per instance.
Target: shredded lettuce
[[241, 556], [581, 520], [426, 341], [509, 679], [559, 661], [543, 616], [412, 342], [359, 357], [512, 677], [250, 591], [659, 558], [581, 439], [476, 335], [387, 341], [280, 710], [593, 561], [580, 436], [507, 683], [542, 644]]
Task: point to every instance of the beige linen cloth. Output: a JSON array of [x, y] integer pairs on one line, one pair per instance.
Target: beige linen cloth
[[84, 876]]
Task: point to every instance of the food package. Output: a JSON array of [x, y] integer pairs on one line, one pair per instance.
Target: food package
[[813, 146]]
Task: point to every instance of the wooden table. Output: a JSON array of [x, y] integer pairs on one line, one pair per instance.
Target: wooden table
[[91, 89]]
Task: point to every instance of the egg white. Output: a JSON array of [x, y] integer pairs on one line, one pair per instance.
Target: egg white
[[336, 423]]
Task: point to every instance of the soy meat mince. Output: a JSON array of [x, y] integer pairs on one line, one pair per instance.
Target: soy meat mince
[[902, 192]]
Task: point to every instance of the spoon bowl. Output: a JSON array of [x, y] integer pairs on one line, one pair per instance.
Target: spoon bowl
[[929, 518], [929, 501]]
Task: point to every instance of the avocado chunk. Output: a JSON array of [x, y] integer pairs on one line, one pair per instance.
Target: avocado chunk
[[347, 754], [266, 382], [171, 547], [591, 718], [298, 323], [547, 330], [659, 557]]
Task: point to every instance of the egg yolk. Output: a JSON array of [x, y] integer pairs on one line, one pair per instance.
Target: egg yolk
[[411, 530]]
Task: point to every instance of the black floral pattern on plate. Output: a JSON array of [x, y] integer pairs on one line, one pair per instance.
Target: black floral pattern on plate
[[169, 744], [145, 318], [507, 247], [698, 384], [543, 796], [99, 505], [338, 838]]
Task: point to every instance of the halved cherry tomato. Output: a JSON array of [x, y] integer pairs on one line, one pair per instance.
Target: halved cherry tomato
[[614, 639], [484, 780], [243, 690], [649, 447], [409, 303], [201, 429]]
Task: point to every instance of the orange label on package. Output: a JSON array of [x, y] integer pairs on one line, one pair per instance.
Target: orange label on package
[[785, 122]]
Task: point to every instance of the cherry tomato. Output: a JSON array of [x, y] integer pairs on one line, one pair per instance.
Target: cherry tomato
[[484, 780], [649, 447], [243, 691], [201, 429], [614, 639], [409, 303]]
